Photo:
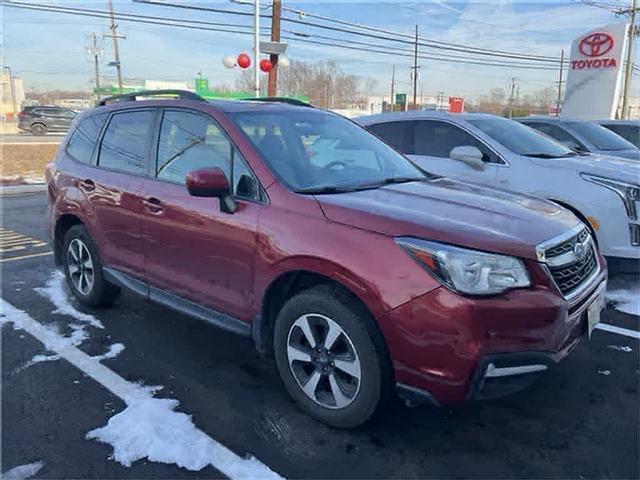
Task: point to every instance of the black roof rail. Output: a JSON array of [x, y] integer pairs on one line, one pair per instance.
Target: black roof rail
[[131, 97], [291, 101]]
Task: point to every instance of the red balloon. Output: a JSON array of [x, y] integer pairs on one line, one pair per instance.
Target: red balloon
[[265, 65], [244, 60]]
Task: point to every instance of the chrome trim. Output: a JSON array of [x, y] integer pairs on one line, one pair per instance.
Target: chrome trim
[[557, 240], [585, 284], [598, 292], [494, 372], [568, 257]]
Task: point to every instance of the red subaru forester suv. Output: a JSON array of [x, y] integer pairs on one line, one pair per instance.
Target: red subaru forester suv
[[359, 272]]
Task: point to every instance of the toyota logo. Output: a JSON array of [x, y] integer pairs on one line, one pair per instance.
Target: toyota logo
[[596, 44], [580, 251]]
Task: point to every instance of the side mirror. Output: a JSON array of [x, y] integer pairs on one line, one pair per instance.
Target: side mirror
[[472, 156], [211, 182]]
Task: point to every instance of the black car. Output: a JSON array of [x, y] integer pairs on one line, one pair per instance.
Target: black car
[[40, 119]]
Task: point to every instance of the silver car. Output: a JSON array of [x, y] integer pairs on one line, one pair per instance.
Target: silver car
[[583, 136]]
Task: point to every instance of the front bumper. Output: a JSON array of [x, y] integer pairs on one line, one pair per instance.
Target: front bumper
[[454, 348]]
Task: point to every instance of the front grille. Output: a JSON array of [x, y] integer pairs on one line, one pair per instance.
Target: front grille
[[572, 275]]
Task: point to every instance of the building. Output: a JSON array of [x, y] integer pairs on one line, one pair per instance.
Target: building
[[11, 95]]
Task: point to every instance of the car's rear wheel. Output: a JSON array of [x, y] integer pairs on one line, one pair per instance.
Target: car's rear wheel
[[330, 356], [83, 269], [39, 129]]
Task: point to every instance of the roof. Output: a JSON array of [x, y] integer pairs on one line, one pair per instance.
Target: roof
[[235, 106], [619, 122], [420, 115], [552, 119]]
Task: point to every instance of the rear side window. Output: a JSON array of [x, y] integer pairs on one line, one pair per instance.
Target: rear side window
[[189, 141], [125, 142], [394, 133], [437, 139], [84, 137]]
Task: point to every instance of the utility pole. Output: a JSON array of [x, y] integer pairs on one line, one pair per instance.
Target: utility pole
[[393, 81], [415, 69], [95, 53], [560, 83], [512, 95], [12, 87], [276, 13], [256, 48], [629, 65], [114, 36]]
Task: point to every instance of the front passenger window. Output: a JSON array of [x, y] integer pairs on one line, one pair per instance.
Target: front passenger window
[[189, 141]]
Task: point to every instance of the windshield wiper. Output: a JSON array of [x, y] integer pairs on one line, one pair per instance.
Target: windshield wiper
[[543, 155], [327, 189]]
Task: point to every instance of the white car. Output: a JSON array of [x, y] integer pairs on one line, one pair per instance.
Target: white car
[[604, 192]]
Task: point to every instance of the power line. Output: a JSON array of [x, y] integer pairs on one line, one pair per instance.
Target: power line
[[422, 42], [303, 13], [181, 23]]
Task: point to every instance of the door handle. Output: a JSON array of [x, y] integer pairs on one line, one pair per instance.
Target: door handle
[[153, 204], [87, 184]]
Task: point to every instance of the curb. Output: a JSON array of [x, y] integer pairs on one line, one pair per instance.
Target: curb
[[7, 191]]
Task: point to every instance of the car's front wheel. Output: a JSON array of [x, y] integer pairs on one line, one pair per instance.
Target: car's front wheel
[[83, 269], [39, 129], [331, 357]]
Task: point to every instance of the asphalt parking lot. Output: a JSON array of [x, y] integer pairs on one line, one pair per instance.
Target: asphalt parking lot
[[579, 421]]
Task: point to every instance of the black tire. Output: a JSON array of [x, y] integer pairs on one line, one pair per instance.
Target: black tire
[[39, 129], [101, 292], [376, 379]]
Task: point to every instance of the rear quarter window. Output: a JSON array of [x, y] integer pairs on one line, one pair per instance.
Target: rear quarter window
[[83, 139], [125, 142]]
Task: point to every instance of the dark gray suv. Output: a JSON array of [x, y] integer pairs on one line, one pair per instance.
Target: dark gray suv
[[40, 119]]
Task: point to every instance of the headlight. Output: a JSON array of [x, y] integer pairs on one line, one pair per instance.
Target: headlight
[[467, 271], [628, 192]]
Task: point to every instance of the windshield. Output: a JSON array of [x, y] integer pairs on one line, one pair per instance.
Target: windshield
[[521, 139], [313, 150], [600, 137]]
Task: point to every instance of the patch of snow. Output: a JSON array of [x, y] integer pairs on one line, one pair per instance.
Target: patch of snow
[[625, 294], [604, 371], [114, 350], [148, 427], [55, 292], [620, 348], [22, 472], [152, 429]]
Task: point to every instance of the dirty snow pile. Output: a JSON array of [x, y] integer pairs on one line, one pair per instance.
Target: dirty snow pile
[[151, 428], [624, 292], [22, 472]]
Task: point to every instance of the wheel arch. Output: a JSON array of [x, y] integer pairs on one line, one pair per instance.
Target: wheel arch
[[287, 284], [583, 218], [63, 224]]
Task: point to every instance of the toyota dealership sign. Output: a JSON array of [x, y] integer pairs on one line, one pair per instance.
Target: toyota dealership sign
[[594, 73]]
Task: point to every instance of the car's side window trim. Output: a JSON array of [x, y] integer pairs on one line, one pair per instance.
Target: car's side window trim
[[264, 198], [149, 146]]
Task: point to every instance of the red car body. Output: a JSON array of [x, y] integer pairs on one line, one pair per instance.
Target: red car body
[[439, 342]]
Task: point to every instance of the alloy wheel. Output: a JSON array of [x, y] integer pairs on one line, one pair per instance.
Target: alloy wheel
[[324, 361], [80, 266]]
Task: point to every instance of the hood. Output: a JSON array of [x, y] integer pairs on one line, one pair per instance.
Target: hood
[[604, 165], [632, 153], [445, 210]]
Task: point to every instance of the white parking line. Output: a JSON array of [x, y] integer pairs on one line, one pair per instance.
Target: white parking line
[[619, 330], [209, 452]]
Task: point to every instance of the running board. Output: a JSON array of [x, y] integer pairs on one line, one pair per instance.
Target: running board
[[177, 303]]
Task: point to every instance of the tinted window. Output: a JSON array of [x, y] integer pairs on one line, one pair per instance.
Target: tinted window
[[84, 137], [394, 133], [189, 141], [437, 139], [124, 144], [554, 131], [601, 138], [519, 138], [310, 149], [631, 133]]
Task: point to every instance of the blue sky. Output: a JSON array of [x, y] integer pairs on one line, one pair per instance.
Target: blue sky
[[48, 49]]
